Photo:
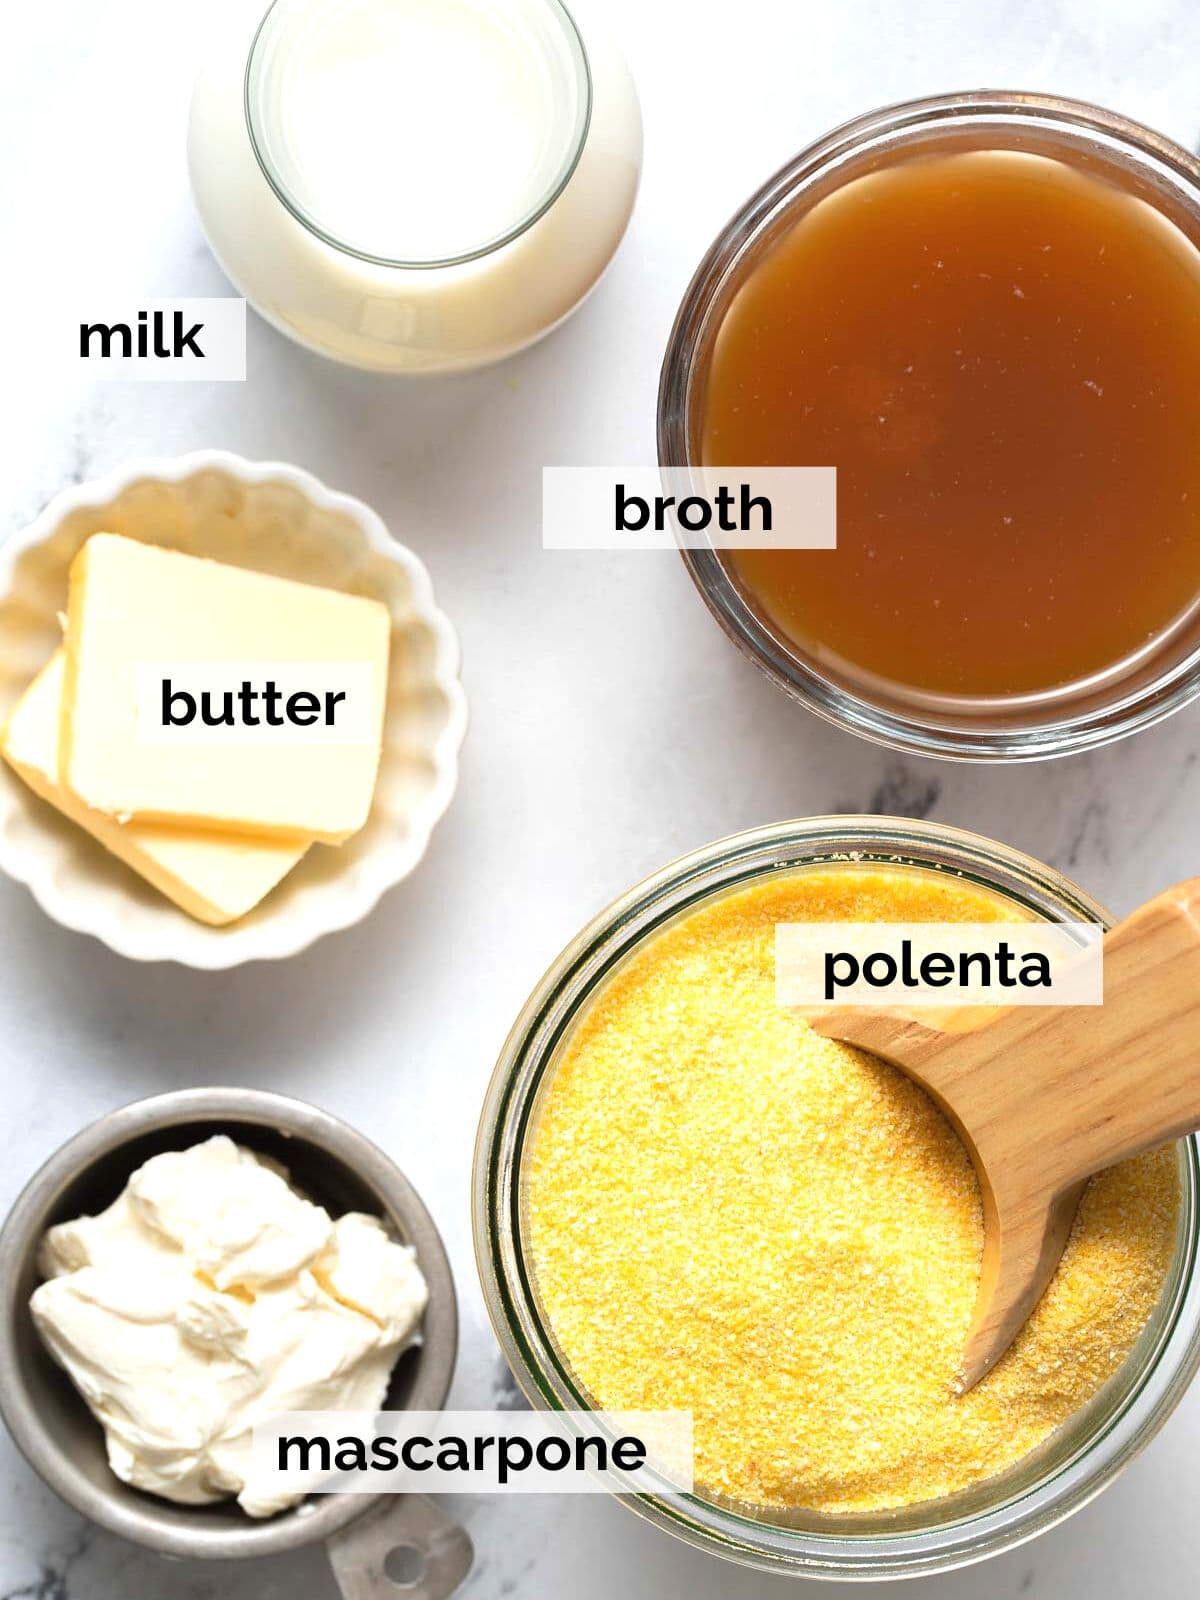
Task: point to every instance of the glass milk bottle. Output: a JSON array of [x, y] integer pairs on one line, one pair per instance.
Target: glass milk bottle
[[415, 185]]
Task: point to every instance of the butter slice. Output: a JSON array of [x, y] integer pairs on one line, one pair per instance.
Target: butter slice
[[213, 877], [135, 606]]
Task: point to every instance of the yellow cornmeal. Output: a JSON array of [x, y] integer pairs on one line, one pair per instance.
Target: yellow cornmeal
[[731, 1215]]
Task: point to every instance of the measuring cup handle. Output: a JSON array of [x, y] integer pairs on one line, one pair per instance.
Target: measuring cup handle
[[408, 1546]]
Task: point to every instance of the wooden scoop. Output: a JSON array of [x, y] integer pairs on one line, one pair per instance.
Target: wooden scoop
[[1045, 1096]]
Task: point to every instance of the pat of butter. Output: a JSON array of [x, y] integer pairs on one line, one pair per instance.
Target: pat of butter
[[139, 615], [215, 878]]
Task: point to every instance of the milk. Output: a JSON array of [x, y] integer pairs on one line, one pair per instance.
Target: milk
[[415, 185], [418, 130]]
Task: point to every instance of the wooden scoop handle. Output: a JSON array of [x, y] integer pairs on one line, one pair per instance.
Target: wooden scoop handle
[[1046, 1096]]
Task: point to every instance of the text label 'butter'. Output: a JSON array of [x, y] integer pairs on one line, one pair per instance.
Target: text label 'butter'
[[287, 702]]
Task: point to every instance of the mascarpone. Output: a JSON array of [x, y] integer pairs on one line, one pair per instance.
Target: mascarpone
[[209, 1298]]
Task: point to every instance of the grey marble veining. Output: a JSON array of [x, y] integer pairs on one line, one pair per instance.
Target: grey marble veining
[[612, 726]]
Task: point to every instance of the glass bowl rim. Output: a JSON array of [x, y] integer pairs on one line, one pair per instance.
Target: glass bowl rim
[[1050, 737], [1166, 1367]]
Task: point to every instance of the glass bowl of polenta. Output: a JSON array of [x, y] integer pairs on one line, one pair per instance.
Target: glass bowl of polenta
[[687, 1200]]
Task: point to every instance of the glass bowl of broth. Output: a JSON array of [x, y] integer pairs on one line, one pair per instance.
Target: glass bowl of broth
[[984, 311]]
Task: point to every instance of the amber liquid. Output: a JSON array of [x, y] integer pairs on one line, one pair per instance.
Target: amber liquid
[[1000, 353]]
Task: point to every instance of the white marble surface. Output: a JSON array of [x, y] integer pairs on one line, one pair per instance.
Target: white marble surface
[[613, 726]]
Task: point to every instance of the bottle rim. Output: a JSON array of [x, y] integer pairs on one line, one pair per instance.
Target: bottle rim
[[264, 137]]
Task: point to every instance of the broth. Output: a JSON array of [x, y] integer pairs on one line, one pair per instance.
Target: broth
[[1000, 353]]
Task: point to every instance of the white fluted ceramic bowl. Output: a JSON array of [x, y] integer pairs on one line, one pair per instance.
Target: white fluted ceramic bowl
[[272, 518]]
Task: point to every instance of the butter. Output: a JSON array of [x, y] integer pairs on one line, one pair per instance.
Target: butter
[[211, 1297], [215, 878], [146, 627]]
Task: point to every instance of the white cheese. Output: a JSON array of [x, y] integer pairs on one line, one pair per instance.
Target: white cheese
[[211, 1297]]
